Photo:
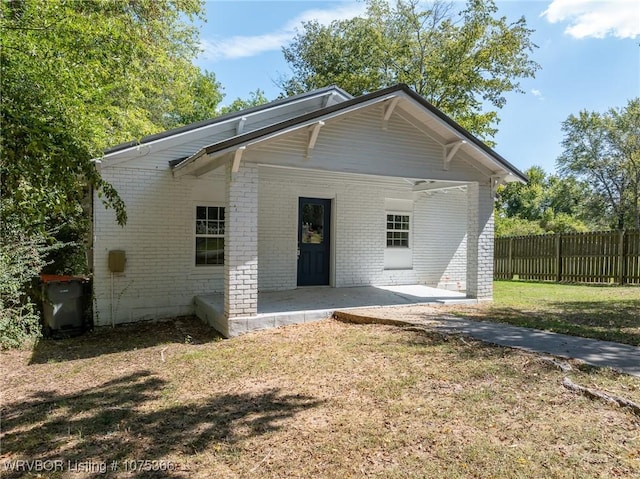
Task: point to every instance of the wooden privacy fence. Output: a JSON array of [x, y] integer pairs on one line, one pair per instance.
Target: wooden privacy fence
[[598, 257]]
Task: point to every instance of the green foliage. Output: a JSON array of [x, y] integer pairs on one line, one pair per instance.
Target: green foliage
[[546, 204], [514, 226], [553, 222], [256, 98], [603, 150], [461, 62], [21, 259], [77, 77], [201, 95]]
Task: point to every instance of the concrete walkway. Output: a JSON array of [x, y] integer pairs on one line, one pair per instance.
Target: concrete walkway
[[620, 357]]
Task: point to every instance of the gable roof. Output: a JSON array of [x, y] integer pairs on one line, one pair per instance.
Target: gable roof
[[235, 142], [226, 117]]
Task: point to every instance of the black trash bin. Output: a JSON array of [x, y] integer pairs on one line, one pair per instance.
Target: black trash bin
[[64, 303]]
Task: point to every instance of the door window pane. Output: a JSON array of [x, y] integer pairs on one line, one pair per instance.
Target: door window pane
[[312, 224]]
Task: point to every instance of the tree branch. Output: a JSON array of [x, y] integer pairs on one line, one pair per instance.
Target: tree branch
[[595, 394]]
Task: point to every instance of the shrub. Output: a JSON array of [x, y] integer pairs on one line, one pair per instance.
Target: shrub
[[21, 260]]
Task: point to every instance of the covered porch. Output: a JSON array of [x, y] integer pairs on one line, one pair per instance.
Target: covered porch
[[279, 308]]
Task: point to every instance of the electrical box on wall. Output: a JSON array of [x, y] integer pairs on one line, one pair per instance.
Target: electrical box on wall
[[117, 260]]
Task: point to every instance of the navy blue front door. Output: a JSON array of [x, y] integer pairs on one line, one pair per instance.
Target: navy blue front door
[[314, 241]]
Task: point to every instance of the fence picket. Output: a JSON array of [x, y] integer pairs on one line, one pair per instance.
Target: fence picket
[[596, 257]]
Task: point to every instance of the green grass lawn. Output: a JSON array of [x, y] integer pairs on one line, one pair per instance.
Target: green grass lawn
[[603, 312]]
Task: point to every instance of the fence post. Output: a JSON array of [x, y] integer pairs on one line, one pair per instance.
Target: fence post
[[510, 259], [621, 258], [558, 258]]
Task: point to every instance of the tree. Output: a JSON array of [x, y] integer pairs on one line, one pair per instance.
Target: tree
[[256, 98], [624, 135], [546, 204], [198, 101], [77, 77], [603, 149], [525, 201], [461, 63]]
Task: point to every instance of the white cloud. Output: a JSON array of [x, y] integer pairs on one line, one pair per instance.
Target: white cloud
[[242, 46], [597, 19], [537, 93]]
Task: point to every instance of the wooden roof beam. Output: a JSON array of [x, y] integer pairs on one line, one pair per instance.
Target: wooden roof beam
[[313, 137], [450, 150], [237, 157], [240, 125], [328, 98], [388, 111]]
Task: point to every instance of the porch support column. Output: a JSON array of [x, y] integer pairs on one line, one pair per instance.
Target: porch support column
[[480, 241], [241, 242]]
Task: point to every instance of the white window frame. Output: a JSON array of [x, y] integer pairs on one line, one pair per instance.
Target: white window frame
[[398, 257], [197, 235], [393, 230]]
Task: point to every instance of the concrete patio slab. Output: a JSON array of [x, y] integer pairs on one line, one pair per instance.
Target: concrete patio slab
[[277, 308]]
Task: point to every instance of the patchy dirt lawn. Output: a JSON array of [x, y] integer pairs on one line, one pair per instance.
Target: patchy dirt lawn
[[320, 400]]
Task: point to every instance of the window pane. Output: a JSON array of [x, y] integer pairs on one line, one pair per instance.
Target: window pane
[[212, 227], [397, 239], [201, 248], [312, 224], [215, 251], [209, 223]]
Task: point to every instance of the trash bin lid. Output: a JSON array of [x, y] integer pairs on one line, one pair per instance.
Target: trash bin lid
[[58, 278]]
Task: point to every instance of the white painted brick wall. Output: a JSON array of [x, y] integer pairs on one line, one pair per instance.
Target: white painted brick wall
[[358, 233], [439, 229], [480, 224], [241, 242], [160, 278], [441, 238]]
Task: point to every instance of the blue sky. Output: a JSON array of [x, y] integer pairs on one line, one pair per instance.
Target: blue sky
[[588, 50]]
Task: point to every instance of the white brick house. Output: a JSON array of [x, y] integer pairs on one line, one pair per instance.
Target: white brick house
[[316, 189]]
